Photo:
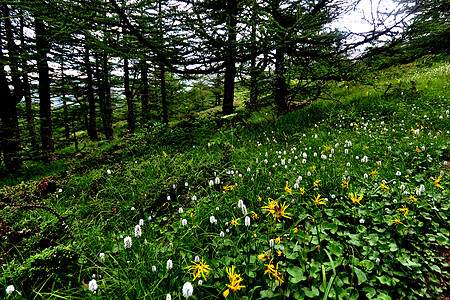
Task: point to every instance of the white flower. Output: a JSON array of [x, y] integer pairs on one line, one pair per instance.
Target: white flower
[[366, 176], [222, 234], [194, 198], [188, 289], [168, 197], [186, 184], [93, 285], [308, 173], [184, 222], [244, 210], [127, 241], [211, 182], [389, 148], [137, 231], [361, 221], [247, 221], [108, 171], [213, 220], [377, 260], [149, 218], [395, 200], [102, 256], [180, 210], [197, 259], [240, 203], [200, 282], [169, 264], [422, 188], [9, 289], [132, 208], [271, 243], [398, 173], [168, 297], [153, 268], [141, 222], [346, 151]]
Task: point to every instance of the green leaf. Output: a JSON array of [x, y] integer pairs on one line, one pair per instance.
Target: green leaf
[[367, 264], [393, 247], [385, 280], [314, 292], [407, 262], [361, 275], [372, 239], [370, 291], [296, 274]]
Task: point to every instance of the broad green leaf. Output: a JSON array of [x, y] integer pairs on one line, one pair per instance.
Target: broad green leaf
[[361, 275], [314, 292], [296, 274], [370, 291]]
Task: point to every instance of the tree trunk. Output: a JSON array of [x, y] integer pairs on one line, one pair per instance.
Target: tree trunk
[[10, 133], [105, 97], [230, 59], [42, 48], [92, 120], [131, 119], [280, 92], [254, 73], [145, 91], [162, 78]]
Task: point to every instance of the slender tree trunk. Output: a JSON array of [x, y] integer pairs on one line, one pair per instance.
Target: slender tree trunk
[[280, 92], [92, 120], [34, 142], [230, 59], [162, 77], [131, 119], [9, 131], [105, 98], [145, 90], [254, 73], [45, 114]]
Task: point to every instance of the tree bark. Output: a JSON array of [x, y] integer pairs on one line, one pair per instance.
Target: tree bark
[[230, 59], [145, 89], [92, 120], [10, 133], [105, 96], [131, 119], [280, 92], [162, 77], [45, 114]]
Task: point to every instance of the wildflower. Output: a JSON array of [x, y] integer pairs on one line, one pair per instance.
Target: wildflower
[[254, 215], [165, 154], [200, 282], [247, 221], [295, 229], [372, 173], [355, 199], [270, 206], [235, 281], [168, 297], [318, 201], [403, 210], [240, 203], [436, 182], [184, 222], [280, 211], [412, 198], [271, 243], [302, 190], [169, 264], [396, 221], [188, 289], [180, 210], [102, 256], [264, 256], [244, 209], [127, 242], [384, 187], [234, 222], [345, 184], [316, 183], [137, 231], [279, 252], [153, 268], [228, 187], [141, 222], [10, 289], [222, 234], [217, 180], [377, 260], [361, 221], [272, 270], [108, 171], [287, 188], [213, 220], [277, 240], [93, 285]]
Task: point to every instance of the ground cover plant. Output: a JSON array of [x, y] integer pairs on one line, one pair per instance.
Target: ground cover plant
[[338, 200]]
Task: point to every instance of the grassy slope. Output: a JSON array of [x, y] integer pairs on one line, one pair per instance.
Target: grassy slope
[[141, 172]]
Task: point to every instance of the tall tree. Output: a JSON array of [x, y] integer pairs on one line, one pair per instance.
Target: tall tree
[[10, 133]]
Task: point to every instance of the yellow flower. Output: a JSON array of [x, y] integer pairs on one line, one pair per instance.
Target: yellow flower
[[165, 154], [199, 269], [316, 183], [396, 221], [254, 215], [318, 201], [313, 168], [264, 256], [280, 211], [436, 182], [272, 270], [287, 188], [226, 293], [344, 184], [326, 148], [412, 198], [355, 199], [384, 187], [417, 150], [235, 280], [302, 190], [373, 172], [366, 147], [270, 206], [228, 187], [403, 210], [277, 240], [234, 221], [295, 229], [279, 252]]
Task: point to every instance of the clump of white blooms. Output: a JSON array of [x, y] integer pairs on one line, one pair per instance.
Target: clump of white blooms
[[188, 289], [153, 268], [168, 297], [169, 264], [10, 289], [93, 285], [184, 222], [127, 242], [137, 231], [213, 220], [102, 256], [141, 222], [180, 210], [247, 221]]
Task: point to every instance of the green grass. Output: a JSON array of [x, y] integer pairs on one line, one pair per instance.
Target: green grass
[[386, 149]]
